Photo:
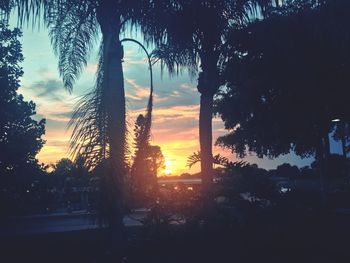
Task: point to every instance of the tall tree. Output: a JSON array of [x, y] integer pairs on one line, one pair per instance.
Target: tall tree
[[195, 38], [99, 121], [285, 84]]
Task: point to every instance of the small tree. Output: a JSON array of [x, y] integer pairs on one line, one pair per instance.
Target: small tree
[[148, 161], [157, 160]]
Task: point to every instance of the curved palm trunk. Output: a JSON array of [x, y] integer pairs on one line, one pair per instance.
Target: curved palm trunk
[[145, 136]]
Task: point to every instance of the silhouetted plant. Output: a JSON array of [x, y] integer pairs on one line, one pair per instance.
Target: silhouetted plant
[[148, 160], [218, 159], [196, 158], [99, 132], [195, 37], [20, 134], [279, 78]]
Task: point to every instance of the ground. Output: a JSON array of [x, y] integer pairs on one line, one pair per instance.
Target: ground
[[315, 237]]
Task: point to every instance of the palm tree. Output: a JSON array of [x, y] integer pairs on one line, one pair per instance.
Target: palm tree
[[195, 158], [218, 159], [99, 132], [195, 34]]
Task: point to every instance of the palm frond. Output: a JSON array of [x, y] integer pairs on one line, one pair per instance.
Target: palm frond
[[177, 58], [220, 160], [217, 159], [73, 29], [193, 159], [90, 123]]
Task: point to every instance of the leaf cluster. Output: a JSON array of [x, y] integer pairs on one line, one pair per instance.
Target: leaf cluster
[[287, 78]]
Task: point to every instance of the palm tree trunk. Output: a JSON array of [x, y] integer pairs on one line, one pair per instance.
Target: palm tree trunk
[[208, 84], [205, 140], [114, 99]]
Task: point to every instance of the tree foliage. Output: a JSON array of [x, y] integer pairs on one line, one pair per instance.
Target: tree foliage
[[195, 34], [74, 28], [20, 134], [196, 158], [287, 78], [67, 173], [148, 160]]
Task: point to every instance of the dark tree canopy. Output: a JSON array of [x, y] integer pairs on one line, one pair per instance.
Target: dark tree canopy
[[20, 135], [287, 79], [68, 173]]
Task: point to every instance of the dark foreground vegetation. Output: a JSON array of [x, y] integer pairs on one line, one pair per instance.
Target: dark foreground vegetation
[[289, 236]]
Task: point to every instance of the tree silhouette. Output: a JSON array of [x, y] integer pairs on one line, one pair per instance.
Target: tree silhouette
[[147, 161], [20, 135], [195, 38], [17, 128], [67, 174], [99, 120], [289, 85], [157, 161]]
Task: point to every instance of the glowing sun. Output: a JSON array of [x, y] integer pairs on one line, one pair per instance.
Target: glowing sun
[[167, 169]]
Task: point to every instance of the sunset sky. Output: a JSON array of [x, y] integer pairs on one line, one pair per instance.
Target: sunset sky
[[176, 104]]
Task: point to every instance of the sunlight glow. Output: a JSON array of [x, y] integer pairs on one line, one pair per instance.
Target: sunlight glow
[[168, 165]]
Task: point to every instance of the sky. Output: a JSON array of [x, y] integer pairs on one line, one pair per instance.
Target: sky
[[175, 114]]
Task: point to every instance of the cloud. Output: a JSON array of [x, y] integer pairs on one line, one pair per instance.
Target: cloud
[[63, 117], [46, 72], [52, 101], [47, 88], [137, 91]]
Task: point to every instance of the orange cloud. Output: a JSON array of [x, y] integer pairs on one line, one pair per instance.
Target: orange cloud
[[139, 92]]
